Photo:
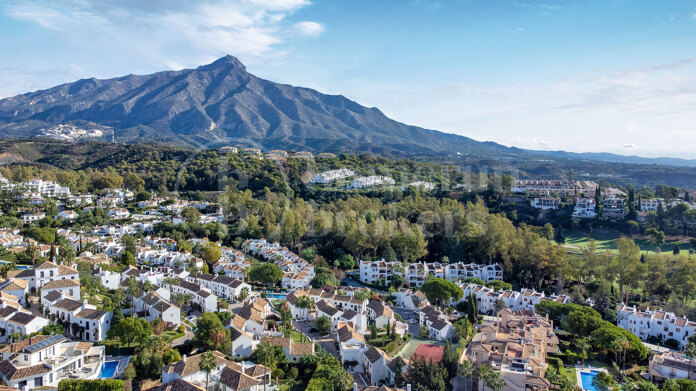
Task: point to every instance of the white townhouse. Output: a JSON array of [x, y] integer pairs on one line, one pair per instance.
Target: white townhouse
[[15, 319], [29, 218], [375, 365], [151, 306], [331, 312], [243, 343], [203, 297], [69, 288], [84, 321], [351, 346], [438, 324], [43, 361], [118, 213], [17, 288], [662, 325], [379, 313], [407, 298], [109, 280], [224, 287], [46, 272]]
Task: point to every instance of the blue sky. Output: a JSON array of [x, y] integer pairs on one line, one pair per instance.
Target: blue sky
[[616, 76]]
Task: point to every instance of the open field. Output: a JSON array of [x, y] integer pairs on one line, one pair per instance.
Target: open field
[[605, 238]]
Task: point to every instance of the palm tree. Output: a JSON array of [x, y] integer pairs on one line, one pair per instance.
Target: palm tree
[[33, 253], [584, 345], [690, 353], [244, 293], [207, 364], [568, 383], [486, 374], [133, 288], [266, 350], [305, 303], [171, 281], [217, 338], [194, 269], [625, 345], [466, 370]]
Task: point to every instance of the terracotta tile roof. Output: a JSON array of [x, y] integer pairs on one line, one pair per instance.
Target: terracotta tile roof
[[10, 372], [20, 345], [176, 385], [236, 380], [61, 284], [189, 365]]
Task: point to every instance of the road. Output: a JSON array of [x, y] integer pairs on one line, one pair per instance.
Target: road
[[328, 342], [182, 340], [407, 314]]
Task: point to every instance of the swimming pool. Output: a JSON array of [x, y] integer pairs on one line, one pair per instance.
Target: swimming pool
[[587, 378], [277, 296], [23, 267], [108, 369]]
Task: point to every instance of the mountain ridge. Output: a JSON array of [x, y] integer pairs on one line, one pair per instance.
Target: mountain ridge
[[221, 103]]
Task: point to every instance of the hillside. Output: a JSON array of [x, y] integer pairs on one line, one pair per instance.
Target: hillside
[[219, 104]]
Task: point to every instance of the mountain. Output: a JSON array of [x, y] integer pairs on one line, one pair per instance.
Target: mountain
[[614, 158], [223, 104]]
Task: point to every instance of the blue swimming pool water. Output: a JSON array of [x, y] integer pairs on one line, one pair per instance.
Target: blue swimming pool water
[[587, 378], [278, 296], [108, 369], [23, 267]]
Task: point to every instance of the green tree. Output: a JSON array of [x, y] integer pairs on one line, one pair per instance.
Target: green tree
[[266, 273], [129, 330], [323, 324], [206, 326], [603, 382], [211, 252], [440, 291]]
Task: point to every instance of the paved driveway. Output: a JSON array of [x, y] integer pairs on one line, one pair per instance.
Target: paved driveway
[[413, 328]]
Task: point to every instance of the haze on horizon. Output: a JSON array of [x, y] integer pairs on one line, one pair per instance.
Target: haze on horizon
[[602, 76]]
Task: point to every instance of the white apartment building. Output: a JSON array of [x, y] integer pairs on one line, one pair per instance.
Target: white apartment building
[[652, 204], [84, 321], [546, 203], [371, 181], [332, 176], [584, 208], [547, 187], [659, 324], [417, 273], [46, 188]]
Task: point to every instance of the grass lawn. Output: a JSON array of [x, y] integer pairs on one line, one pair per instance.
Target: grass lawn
[[295, 335], [605, 237], [172, 335]]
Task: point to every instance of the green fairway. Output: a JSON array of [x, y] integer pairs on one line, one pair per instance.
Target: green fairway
[[605, 238]]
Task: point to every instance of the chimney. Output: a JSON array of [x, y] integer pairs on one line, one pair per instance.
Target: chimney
[[183, 358], [408, 387], [355, 386], [84, 303]]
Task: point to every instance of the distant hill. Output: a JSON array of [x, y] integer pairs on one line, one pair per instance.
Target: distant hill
[[611, 157]]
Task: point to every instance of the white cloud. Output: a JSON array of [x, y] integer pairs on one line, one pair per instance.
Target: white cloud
[[629, 146], [309, 29], [167, 32]]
